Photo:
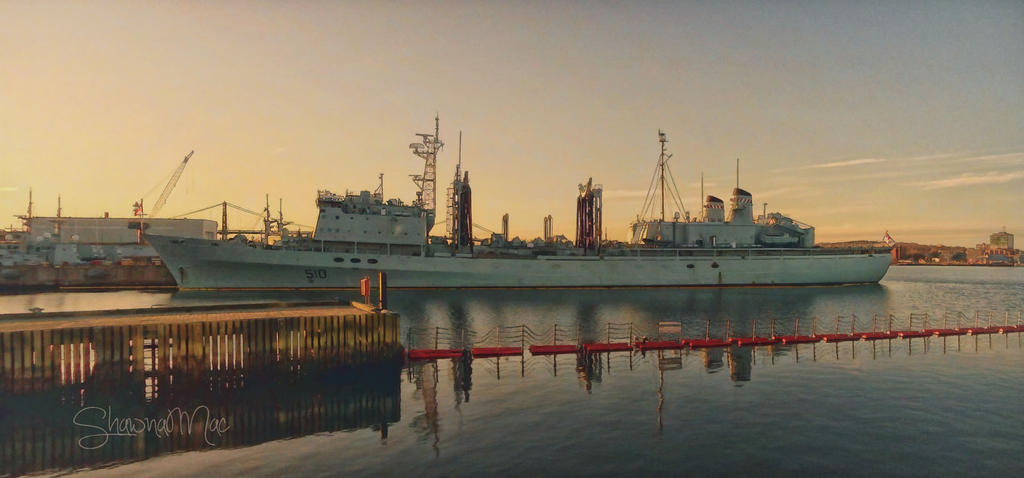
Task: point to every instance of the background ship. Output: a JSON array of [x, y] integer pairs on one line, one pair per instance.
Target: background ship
[[50, 252], [360, 234]]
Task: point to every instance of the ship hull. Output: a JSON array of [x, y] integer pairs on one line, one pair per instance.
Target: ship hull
[[204, 264]]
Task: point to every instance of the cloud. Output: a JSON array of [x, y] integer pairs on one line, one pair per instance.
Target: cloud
[[860, 161], [851, 162], [994, 177], [997, 157]]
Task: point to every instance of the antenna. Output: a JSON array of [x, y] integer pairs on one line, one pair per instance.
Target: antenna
[[737, 173], [661, 165], [27, 220], [703, 208], [460, 149]]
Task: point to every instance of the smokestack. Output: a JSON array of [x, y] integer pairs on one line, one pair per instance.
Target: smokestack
[[714, 209], [742, 207]]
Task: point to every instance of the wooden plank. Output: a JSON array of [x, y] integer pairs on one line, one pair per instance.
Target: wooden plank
[[46, 359], [36, 372], [6, 364], [229, 344], [18, 370], [318, 327], [350, 338], [138, 354], [125, 351], [195, 349]]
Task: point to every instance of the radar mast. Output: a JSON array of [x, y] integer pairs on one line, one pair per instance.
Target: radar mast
[[427, 149]]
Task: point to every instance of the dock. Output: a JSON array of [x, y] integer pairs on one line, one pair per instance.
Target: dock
[[40, 351], [326, 367]]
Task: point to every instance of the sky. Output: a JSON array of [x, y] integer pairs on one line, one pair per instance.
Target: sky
[[855, 117]]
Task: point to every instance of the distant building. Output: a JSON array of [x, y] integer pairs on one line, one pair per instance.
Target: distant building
[[115, 230], [1001, 240]]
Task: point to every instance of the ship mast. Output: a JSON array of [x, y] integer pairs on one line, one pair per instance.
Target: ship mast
[[662, 138], [427, 149], [453, 194], [657, 189]]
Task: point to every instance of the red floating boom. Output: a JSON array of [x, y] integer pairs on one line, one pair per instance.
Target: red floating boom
[[798, 339], [982, 330], [910, 334], [434, 354], [707, 343], [945, 332], [838, 337], [877, 335], [749, 341], [484, 352], [611, 347], [661, 345], [553, 349]]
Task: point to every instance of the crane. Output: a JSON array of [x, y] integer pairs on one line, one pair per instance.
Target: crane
[[170, 185]]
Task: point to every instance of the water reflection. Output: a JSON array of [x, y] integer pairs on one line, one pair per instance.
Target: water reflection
[[92, 396], [588, 312]]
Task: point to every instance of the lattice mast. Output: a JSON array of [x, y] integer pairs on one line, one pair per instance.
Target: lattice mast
[[451, 226], [460, 208], [427, 149]]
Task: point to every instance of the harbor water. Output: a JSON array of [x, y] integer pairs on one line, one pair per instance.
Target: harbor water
[[922, 406]]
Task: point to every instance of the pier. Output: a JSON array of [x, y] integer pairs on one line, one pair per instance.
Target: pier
[[269, 372]]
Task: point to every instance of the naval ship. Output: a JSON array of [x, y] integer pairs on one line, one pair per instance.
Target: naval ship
[[360, 234]]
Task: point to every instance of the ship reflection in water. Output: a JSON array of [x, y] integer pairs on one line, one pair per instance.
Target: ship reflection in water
[[89, 397], [355, 410]]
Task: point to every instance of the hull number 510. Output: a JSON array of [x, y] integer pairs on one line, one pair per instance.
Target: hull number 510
[[312, 275]]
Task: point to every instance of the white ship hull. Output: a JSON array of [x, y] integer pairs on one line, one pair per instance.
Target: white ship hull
[[205, 264]]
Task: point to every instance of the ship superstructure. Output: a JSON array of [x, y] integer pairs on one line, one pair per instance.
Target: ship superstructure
[[359, 234]]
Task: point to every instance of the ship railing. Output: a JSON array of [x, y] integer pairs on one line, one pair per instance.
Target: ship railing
[[981, 317], [439, 338], [619, 331], [740, 251], [558, 335], [507, 336]]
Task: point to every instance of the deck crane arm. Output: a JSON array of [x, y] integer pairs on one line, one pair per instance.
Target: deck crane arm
[[170, 186]]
